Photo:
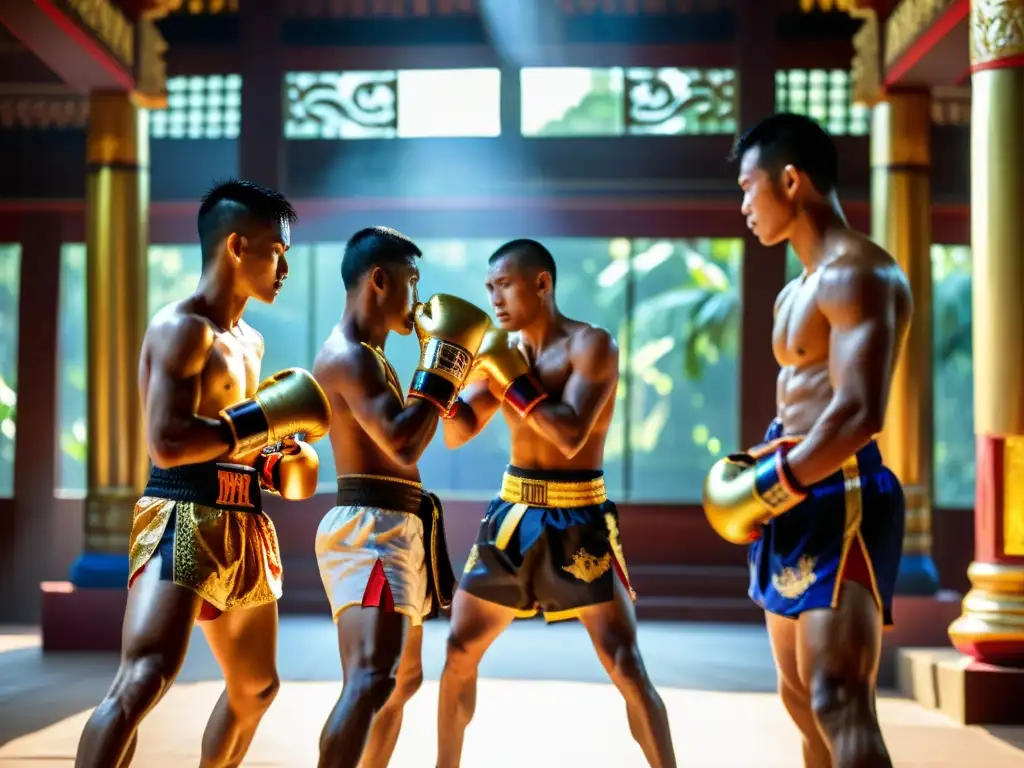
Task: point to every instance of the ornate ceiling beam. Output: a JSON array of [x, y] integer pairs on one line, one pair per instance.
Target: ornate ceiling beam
[[926, 43], [95, 44]]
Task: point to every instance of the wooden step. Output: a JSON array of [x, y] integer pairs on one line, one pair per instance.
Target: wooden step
[[725, 581], [727, 610]]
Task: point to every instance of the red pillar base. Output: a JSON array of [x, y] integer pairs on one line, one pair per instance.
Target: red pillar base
[[967, 691], [81, 620]]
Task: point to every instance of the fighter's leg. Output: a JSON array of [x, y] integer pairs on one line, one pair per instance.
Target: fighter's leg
[[388, 722], [475, 624], [612, 629], [244, 642], [794, 688], [843, 646], [371, 641], [154, 640]]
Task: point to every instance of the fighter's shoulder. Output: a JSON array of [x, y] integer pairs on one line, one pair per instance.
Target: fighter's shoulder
[[177, 331], [859, 273], [592, 343], [341, 359]]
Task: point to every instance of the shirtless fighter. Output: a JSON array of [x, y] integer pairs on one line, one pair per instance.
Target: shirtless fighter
[[381, 549], [201, 548], [824, 515], [550, 540]]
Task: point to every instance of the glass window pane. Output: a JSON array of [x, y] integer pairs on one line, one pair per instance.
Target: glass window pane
[[683, 362], [449, 102], [953, 375], [341, 105], [10, 291], [71, 405], [202, 102], [572, 101], [674, 101]]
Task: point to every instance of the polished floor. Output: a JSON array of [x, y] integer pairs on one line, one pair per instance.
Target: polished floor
[[544, 702]]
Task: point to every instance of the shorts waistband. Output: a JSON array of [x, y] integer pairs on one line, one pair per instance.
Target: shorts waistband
[[553, 488], [867, 460], [381, 492], [211, 484]]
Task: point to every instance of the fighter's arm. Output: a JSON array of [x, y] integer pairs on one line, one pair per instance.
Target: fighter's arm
[[474, 408], [178, 350], [401, 431], [595, 374], [861, 304]]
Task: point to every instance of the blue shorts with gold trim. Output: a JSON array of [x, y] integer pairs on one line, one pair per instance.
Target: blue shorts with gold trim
[[849, 528], [550, 543]]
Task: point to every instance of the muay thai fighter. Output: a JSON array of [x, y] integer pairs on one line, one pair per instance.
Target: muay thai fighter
[[381, 549], [550, 540], [201, 547], [824, 514]]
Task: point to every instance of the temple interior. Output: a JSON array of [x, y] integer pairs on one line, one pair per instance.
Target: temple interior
[[601, 128]]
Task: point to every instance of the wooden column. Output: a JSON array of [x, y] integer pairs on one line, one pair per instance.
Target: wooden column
[[28, 533], [117, 235], [261, 143], [991, 627], [901, 223], [764, 269]]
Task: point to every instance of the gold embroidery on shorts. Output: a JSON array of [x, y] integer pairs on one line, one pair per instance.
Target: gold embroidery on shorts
[[587, 567], [234, 489], [791, 582], [471, 560]]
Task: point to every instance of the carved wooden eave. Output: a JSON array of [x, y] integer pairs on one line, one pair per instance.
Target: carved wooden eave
[[42, 107], [926, 43], [96, 44]]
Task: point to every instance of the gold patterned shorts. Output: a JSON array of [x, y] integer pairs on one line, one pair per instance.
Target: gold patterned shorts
[[550, 543], [207, 525]]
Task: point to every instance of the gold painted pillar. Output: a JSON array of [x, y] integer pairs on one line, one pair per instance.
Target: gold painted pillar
[[991, 626], [117, 235], [901, 223]]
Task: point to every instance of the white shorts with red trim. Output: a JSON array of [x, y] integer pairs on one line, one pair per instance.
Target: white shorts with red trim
[[374, 558]]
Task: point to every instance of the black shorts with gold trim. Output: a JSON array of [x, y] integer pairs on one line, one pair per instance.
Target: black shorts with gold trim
[[550, 543], [207, 525]]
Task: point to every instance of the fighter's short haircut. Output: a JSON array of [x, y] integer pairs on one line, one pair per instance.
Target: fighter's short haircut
[[239, 206], [789, 139], [528, 253], [374, 247]]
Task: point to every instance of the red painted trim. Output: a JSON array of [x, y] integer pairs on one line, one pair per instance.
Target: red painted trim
[[927, 40], [87, 43], [1010, 62]]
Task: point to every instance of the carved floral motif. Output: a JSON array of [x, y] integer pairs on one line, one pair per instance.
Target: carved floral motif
[[997, 30]]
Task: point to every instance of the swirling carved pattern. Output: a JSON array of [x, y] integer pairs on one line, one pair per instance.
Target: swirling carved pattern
[[43, 112], [323, 109], [677, 101], [997, 30]]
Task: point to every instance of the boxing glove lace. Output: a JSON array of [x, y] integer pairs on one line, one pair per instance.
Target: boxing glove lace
[[287, 403], [450, 331]]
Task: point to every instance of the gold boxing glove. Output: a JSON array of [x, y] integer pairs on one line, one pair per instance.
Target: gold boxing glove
[[508, 368], [450, 331], [287, 403], [290, 469], [742, 493]]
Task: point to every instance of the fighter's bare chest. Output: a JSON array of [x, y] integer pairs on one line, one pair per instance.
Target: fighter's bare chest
[[800, 331], [233, 368]]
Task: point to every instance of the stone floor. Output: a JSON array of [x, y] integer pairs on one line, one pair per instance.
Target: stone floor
[[717, 682]]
